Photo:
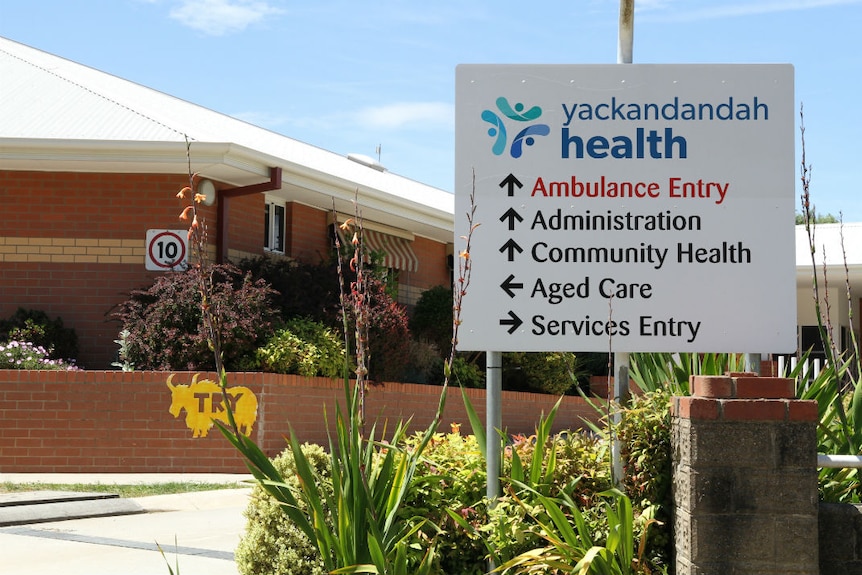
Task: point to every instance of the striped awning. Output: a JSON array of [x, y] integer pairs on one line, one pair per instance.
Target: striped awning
[[397, 252]]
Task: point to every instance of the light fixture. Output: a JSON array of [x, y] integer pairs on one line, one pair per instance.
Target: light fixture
[[207, 189]]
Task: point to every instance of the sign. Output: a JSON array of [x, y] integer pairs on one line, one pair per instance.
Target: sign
[[627, 207], [205, 403], [167, 250]]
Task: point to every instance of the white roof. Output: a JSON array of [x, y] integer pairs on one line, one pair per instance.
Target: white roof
[[62, 115], [835, 245]]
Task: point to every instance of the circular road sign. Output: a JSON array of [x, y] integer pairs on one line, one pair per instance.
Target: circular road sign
[[167, 250]]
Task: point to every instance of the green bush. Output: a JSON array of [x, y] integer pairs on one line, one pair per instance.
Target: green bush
[[645, 438], [37, 328], [304, 347], [452, 477], [272, 544], [303, 289], [432, 318], [555, 373]]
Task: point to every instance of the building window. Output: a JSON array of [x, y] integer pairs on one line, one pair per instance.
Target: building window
[[273, 226]]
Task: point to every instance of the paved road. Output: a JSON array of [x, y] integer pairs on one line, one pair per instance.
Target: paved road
[[198, 531]]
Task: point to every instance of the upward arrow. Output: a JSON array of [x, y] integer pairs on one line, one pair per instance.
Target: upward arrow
[[511, 215], [511, 182], [511, 246]]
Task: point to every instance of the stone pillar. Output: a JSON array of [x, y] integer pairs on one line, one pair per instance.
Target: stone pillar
[[745, 477]]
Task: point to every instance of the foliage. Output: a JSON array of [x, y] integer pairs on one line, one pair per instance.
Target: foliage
[[304, 347], [654, 371], [644, 433], [24, 355], [451, 475], [303, 289], [839, 429], [432, 318], [37, 328], [123, 361], [272, 544], [837, 388], [388, 338], [555, 373], [818, 219], [574, 549], [165, 326]]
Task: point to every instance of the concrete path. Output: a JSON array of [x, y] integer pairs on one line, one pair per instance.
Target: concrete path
[[197, 531]]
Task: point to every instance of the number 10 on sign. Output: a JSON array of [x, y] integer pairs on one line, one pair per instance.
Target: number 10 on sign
[[167, 250]]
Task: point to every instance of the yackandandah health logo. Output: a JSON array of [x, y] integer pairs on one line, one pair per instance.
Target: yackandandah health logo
[[516, 113]]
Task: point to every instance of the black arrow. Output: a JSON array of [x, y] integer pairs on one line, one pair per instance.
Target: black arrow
[[508, 285], [512, 247], [514, 321], [511, 182], [511, 215]]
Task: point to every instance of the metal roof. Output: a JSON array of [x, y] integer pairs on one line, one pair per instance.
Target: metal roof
[[59, 115]]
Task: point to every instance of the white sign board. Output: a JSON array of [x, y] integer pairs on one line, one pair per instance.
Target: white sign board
[[627, 207], [167, 250]]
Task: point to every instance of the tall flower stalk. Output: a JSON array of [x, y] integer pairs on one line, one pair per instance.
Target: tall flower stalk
[[357, 525]]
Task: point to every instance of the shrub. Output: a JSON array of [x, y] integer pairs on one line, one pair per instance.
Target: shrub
[[304, 347], [35, 327], [554, 372], [24, 355], [272, 544], [432, 318], [452, 477], [165, 326], [388, 332], [645, 436], [303, 289]]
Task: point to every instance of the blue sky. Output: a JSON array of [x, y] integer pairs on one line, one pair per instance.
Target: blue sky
[[352, 75]]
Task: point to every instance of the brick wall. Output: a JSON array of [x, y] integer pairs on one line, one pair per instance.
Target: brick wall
[[744, 477], [307, 233], [73, 245], [110, 421]]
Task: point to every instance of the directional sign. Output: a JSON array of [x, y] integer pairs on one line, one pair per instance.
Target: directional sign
[[627, 207], [167, 250]]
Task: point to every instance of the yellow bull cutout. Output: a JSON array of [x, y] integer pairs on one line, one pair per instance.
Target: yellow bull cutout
[[204, 403]]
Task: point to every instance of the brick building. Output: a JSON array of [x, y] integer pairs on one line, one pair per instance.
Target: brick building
[[89, 162]]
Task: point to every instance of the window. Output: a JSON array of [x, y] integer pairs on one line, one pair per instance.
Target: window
[[273, 227]]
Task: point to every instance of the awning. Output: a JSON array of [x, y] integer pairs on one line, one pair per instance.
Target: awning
[[398, 253]]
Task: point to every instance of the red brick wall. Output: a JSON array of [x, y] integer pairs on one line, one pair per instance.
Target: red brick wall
[[307, 233], [433, 269], [93, 421], [72, 244]]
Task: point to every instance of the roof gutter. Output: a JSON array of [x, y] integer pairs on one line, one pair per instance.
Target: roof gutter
[[224, 196]]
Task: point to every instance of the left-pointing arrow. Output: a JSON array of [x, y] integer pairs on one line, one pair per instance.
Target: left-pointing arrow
[[514, 322], [508, 285]]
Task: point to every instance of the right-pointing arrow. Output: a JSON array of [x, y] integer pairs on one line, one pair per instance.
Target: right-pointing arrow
[[513, 321], [508, 285]]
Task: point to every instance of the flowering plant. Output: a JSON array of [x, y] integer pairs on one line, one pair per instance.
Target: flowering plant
[[25, 355]]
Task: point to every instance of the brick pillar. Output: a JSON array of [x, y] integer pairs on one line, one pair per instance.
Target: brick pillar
[[745, 477]]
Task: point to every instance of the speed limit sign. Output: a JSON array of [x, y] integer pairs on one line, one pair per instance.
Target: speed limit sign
[[167, 250]]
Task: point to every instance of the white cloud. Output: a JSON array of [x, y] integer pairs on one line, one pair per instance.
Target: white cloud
[[408, 114], [220, 17]]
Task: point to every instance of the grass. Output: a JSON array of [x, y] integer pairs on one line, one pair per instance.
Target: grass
[[133, 490]]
